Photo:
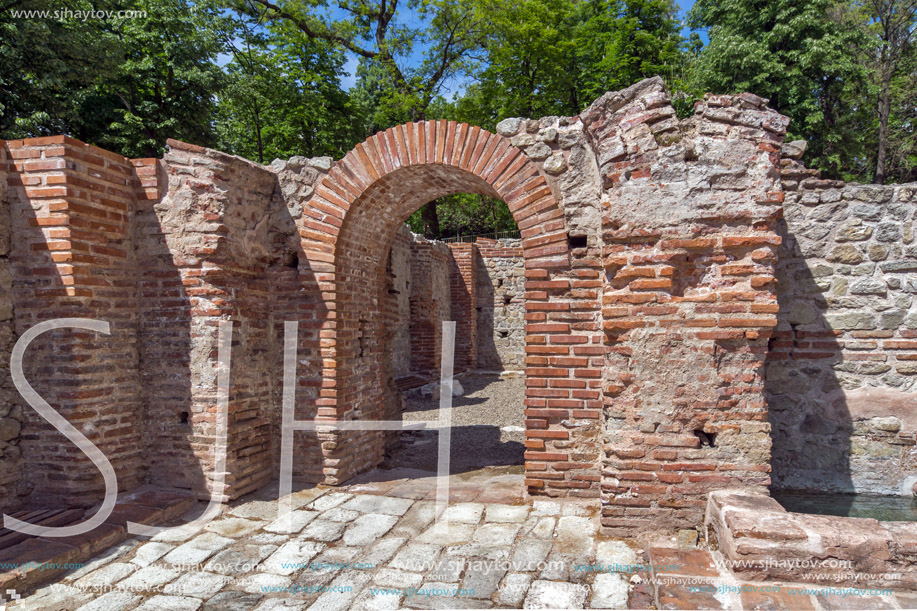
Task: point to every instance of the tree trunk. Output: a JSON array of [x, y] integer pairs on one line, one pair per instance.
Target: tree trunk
[[430, 218], [885, 105]]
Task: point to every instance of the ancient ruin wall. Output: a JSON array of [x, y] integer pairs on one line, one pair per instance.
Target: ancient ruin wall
[[689, 231], [10, 411], [399, 270], [842, 366], [501, 305]]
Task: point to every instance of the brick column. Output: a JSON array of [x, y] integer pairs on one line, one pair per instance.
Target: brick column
[[463, 279]]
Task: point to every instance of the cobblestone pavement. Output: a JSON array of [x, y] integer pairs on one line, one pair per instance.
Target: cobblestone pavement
[[374, 545]]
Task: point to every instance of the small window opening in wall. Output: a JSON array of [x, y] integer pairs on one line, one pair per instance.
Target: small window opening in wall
[[504, 333], [499, 282], [577, 241], [507, 300], [183, 417], [706, 439]]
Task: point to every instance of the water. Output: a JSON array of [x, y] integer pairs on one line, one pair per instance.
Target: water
[[882, 508]]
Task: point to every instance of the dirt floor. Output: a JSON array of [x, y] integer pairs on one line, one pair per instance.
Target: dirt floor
[[487, 427]]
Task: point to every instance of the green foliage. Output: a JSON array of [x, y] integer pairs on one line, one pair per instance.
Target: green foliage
[[798, 54], [283, 95], [465, 214]]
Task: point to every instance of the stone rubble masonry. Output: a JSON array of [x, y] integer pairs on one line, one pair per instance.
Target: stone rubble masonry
[[649, 297], [501, 305], [842, 365], [688, 299], [762, 541]]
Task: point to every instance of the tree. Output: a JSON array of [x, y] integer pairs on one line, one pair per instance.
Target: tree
[[49, 64], [893, 23], [282, 95], [797, 54]]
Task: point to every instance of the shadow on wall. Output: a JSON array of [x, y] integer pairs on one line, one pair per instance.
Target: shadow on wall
[[811, 426], [500, 305]]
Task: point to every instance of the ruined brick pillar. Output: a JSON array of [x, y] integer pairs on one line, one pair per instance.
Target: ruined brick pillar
[[464, 304]]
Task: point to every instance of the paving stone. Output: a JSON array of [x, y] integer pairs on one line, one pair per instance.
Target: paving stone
[[56, 597], [258, 510], [171, 603], [286, 604], [110, 555], [483, 577], [295, 554], [615, 556], [341, 555], [416, 557], [393, 578], [239, 559], [609, 591], [512, 591], [384, 550], [506, 513], [438, 595], [342, 592], [232, 601], [294, 523], [180, 534], [323, 530], [546, 508], [496, 534], [464, 513], [555, 595], [197, 550], [149, 578], [329, 501], [562, 567], [198, 584], [366, 529], [149, 553], [538, 527], [108, 575], [448, 569], [480, 550], [367, 601], [529, 554], [339, 514], [113, 601], [440, 534], [830, 602], [264, 538], [304, 497], [418, 517], [234, 527], [366, 503], [253, 584], [575, 535]]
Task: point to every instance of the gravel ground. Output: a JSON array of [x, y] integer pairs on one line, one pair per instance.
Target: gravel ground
[[487, 427]]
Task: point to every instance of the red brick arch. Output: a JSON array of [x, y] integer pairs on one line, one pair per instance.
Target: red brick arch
[[354, 215]]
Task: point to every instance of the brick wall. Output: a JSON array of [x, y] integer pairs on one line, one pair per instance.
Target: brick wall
[[399, 270], [431, 303], [70, 207], [500, 305], [463, 280], [688, 300], [842, 366]]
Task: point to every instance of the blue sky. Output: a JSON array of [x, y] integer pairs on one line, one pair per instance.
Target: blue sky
[[350, 68]]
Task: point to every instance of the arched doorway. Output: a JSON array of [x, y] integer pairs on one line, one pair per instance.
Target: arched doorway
[[356, 211]]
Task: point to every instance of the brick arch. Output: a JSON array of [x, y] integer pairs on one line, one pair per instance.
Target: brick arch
[[357, 210]]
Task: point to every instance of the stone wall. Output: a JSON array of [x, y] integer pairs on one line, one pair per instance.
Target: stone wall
[[842, 367], [501, 305], [10, 412]]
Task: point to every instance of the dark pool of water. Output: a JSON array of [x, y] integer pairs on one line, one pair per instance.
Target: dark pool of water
[[883, 508]]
